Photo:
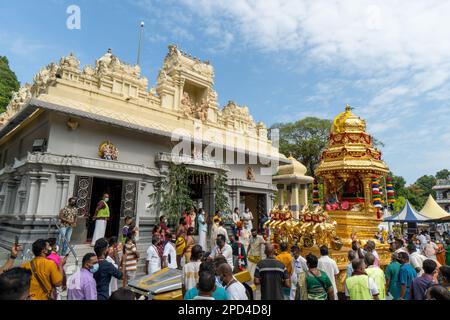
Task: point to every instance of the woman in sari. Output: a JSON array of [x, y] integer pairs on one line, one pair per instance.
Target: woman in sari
[[190, 242], [318, 285], [180, 244], [440, 253]]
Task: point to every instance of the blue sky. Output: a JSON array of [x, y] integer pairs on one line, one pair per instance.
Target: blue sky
[[285, 60]]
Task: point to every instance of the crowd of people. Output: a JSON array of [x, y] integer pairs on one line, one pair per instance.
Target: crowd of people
[[419, 269], [44, 277]]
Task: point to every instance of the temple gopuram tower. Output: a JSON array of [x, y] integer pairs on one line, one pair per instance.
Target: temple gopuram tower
[[348, 166]]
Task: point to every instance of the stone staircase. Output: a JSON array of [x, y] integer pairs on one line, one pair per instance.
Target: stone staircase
[[81, 249]]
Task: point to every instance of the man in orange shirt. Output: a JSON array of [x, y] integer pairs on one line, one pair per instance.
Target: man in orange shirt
[[46, 276], [286, 258]]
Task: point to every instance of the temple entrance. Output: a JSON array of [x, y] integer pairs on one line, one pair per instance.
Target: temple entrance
[[200, 190], [101, 186], [256, 202]]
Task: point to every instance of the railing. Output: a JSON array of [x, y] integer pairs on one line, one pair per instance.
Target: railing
[[53, 221], [443, 182]]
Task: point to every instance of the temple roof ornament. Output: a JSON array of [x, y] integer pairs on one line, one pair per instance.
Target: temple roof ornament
[[185, 86], [347, 122], [294, 172], [177, 60], [18, 101], [350, 148]]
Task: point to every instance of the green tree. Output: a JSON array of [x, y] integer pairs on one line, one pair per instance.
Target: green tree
[[399, 183], [172, 193], [399, 204], [8, 83], [221, 202], [426, 183], [443, 174], [417, 193], [304, 140], [414, 193]]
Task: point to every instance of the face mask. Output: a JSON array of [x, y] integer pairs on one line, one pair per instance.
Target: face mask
[[106, 199], [57, 248], [94, 268]]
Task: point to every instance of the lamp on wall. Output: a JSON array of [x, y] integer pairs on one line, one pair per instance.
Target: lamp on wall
[[39, 145], [72, 124]]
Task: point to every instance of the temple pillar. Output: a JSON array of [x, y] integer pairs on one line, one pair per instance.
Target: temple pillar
[[11, 195], [295, 201], [367, 192], [281, 194], [303, 194], [62, 190]]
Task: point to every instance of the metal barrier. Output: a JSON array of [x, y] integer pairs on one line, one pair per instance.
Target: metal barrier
[[53, 221]]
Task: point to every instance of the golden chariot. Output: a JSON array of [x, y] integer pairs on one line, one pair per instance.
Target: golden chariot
[[350, 169]]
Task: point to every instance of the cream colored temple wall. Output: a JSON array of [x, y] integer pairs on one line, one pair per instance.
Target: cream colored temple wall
[[37, 185], [134, 148]]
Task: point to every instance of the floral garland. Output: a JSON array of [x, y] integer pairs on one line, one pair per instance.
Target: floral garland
[[316, 196], [390, 190], [376, 194], [380, 187], [352, 137]]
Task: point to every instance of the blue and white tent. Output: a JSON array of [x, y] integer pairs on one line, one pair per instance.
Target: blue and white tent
[[408, 214]]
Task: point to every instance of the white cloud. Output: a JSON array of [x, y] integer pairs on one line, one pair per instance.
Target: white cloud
[[389, 58]]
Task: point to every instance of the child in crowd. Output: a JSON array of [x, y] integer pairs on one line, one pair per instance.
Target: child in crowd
[[126, 228], [130, 256]]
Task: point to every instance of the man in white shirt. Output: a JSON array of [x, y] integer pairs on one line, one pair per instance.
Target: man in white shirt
[[202, 228], [422, 238], [235, 290], [223, 249], [416, 259], [221, 230], [299, 269], [329, 266], [170, 253], [153, 262], [255, 251], [236, 218]]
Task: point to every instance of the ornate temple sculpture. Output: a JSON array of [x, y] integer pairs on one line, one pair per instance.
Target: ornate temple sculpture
[[347, 167], [184, 97], [313, 228], [291, 179], [108, 151]]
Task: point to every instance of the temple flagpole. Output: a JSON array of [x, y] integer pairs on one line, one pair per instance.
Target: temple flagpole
[[140, 44]]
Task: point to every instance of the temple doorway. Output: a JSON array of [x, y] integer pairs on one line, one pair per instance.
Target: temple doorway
[[256, 202], [201, 192], [112, 187]]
